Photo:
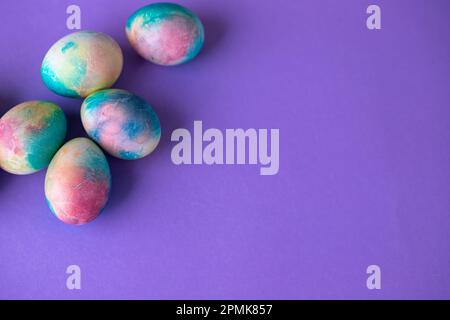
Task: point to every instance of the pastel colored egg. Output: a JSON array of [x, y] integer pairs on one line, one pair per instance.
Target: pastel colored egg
[[165, 33], [30, 134], [81, 63], [122, 123], [78, 182]]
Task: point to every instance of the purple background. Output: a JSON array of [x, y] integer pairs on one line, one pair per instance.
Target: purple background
[[364, 175]]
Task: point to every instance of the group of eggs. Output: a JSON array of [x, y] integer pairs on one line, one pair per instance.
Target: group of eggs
[[85, 65]]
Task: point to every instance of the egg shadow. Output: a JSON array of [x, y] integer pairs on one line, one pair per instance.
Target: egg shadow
[[133, 67], [215, 31], [4, 178], [122, 178], [7, 102], [74, 126], [132, 60], [171, 117]]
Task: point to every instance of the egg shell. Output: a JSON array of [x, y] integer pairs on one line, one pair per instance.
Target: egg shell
[[30, 134], [165, 33], [81, 63], [78, 182], [122, 123]]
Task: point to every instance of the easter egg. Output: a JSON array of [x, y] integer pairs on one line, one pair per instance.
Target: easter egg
[[81, 63], [122, 123], [78, 182], [165, 33], [30, 134]]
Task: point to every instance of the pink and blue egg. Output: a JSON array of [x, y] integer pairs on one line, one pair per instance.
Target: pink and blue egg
[[81, 63], [122, 123], [30, 134], [78, 182], [165, 33]]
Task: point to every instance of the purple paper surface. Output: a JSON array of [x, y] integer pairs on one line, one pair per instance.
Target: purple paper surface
[[364, 119]]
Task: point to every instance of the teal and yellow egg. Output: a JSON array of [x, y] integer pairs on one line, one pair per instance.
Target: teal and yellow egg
[[82, 63], [30, 134]]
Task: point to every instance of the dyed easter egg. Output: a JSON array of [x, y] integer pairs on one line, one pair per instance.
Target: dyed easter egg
[[165, 33], [122, 123], [78, 182], [81, 63], [30, 134]]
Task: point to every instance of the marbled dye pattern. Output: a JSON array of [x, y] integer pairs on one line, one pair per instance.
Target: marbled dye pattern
[[78, 182], [124, 124], [165, 33], [30, 134], [81, 63]]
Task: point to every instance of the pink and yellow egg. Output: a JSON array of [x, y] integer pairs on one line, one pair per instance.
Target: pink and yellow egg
[[165, 33], [78, 182], [122, 123]]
